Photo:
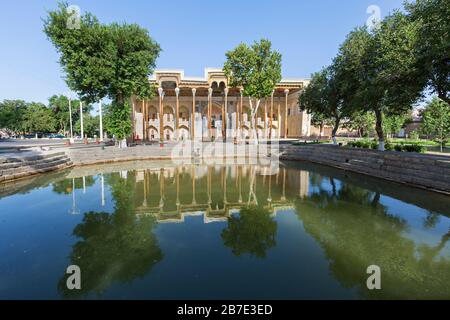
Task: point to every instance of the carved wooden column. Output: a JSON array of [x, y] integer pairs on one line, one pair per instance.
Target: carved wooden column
[[177, 113], [161, 120], [225, 111], [271, 115], [193, 114], [286, 93]]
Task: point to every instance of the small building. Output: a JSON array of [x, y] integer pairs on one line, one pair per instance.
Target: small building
[[207, 108]]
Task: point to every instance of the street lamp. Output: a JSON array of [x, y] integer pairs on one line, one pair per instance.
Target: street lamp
[[101, 120], [81, 120], [69, 96]]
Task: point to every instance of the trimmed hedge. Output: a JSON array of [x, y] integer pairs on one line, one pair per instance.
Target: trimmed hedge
[[365, 144]]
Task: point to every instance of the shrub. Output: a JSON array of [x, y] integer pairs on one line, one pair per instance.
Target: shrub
[[388, 146], [398, 147], [414, 148], [414, 135]]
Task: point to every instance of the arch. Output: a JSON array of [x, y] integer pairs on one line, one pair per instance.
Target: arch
[[246, 113], [168, 113], [168, 133], [152, 112], [183, 133], [153, 133], [184, 113]]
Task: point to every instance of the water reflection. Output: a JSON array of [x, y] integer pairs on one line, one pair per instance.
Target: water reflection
[[144, 225], [114, 247], [355, 230], [350, 223]]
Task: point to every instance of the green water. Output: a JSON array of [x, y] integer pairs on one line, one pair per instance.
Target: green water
[[156, 230]]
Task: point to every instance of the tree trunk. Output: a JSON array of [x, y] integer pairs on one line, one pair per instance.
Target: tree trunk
[[335, 129], [379, 129], [254, 112]]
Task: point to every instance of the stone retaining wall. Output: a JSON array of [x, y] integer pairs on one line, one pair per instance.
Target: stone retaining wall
[[425, 171], [12, 168]]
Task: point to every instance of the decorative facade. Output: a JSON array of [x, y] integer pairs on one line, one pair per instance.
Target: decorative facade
[[206, 108]]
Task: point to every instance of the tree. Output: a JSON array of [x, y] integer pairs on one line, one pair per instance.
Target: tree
[[393, 124], [117, 120], [38, 118], [59, 104], [11, 114], [324, 97], [319, 120], [91, 125], [436, 120], [362, 122], [101, 60], [255, 68], [433, 46], [382, 64]]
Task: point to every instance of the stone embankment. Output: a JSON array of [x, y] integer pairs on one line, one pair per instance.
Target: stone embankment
[[21, 166], [419, 170]]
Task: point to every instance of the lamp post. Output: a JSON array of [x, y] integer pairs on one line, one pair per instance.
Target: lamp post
[[70, 117], [101, 120], [81, 120]]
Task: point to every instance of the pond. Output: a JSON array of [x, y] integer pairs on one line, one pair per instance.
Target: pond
[[157, 230]]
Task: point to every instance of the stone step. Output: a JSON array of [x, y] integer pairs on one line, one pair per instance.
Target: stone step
[[17, 164], [55, 165]]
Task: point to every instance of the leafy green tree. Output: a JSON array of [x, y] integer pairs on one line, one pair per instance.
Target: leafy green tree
[[362, 122], [325, 99], [11, 114], [320, 120], [91, 125], [393, 124], [436, 121], [255, 68], [117, 120], [101, 60], [59, 104], [252, 232], [380, 69], [433, 46], [38, 118]]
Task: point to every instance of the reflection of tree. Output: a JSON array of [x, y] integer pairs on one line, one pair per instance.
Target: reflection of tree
[[253, 231], [65, 186], [116, 247], [356, 231]]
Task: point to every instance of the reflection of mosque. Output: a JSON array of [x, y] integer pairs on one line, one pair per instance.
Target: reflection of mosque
[[171, 193]]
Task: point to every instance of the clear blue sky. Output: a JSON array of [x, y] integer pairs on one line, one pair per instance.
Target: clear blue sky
[[193, 34]]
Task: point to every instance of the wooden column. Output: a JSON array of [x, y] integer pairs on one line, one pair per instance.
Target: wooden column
[[177, 113], [286, 93], [210, 92], [193, 114], [144, 120], [225, 111], [265, 117], [161, 120], [271, 115], [279, 118], [241, 107]]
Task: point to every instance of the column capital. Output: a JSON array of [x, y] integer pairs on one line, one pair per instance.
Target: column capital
[[194, 91], [160, 91], [225, 91], [286, 91], [177, 91], [210, 92], [241, 91]]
